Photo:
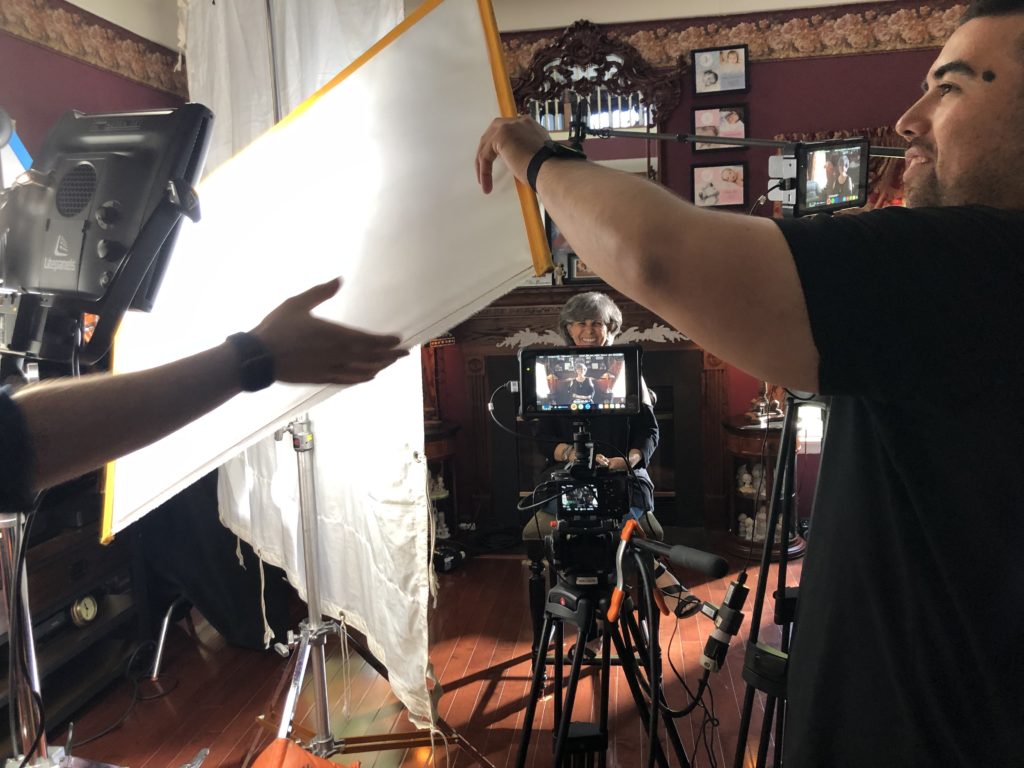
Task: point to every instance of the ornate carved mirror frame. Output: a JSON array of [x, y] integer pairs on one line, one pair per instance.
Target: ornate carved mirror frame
[[586, 62]]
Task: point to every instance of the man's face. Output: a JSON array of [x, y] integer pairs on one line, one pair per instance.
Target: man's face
[[966, 143]]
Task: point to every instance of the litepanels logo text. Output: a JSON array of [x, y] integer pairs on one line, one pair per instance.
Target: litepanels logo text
[[61, 250], [63, 261]]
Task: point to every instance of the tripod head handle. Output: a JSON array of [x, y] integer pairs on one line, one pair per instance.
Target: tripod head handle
[[631, 533], [687, 557]]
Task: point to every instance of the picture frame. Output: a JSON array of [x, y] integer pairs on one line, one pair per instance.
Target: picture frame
[[579, 272], [557, 243], [727, 121], [725, 69], [719, 185]]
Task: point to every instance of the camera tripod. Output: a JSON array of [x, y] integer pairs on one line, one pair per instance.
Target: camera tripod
[[586, 608], [764, 667]]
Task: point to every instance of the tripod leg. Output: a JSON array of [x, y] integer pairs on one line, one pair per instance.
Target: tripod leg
[[766, 731], [635, 639], [537, 593], [748, 707], [298, 674], [643, 650], [537, 683], [606, 664], [780, 726], [586, 612], [631, 674], [557, 667]]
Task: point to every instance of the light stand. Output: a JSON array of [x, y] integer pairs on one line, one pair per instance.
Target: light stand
[[764, 667], [315, 629]]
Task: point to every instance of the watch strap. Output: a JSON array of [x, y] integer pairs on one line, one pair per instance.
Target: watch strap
[[548, 150], [256, 370]]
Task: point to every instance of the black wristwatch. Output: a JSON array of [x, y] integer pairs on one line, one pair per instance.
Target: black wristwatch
[[546, 152], [256, 371]]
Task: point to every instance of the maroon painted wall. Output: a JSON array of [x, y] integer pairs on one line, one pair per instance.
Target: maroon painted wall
[[832, 93], [821, 94], [39, 85]]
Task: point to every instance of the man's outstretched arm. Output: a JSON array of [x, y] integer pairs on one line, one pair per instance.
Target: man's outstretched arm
[[727, 281], [76, 425]]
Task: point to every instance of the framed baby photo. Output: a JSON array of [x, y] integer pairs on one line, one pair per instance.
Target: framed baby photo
[[719, 186], [579, 272], [728, 122], [560, 248], [720, 70]]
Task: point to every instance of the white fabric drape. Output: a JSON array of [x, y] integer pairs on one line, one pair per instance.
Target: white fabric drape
[[228, 57], [229, 70], [373, 179]]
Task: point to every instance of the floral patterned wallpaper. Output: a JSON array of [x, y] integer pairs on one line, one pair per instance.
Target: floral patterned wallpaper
[[871, 28], [68, 30]]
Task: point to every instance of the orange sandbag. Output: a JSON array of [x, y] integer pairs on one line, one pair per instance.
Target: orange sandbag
[[285, 753]]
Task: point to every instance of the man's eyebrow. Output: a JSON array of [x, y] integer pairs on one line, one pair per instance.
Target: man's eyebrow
[[957, 66]]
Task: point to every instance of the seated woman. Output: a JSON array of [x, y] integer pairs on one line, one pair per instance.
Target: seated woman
[[581, 387], [593, 320]]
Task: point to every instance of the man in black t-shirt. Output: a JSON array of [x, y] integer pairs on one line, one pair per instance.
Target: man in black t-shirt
[[909, 631]]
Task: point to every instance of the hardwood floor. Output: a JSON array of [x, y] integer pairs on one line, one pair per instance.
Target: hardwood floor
[[480, 643]]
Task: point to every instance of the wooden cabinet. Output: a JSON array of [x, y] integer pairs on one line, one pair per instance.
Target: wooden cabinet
[[439, 447], [755, 449], [79, 651]]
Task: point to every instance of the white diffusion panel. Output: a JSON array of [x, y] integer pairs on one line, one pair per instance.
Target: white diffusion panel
[[371, 180]]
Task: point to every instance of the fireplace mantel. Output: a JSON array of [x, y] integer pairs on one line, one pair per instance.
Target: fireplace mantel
[[529, 316]]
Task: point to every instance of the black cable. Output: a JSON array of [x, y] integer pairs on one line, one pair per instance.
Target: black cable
[[132, 700], [695, 698], [712, 722], [653, 672], [17, 662], [763, 198]]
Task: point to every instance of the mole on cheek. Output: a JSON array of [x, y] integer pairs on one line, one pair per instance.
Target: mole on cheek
[[988, 75]]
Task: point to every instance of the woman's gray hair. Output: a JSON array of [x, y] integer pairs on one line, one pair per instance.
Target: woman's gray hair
[[591, 305]]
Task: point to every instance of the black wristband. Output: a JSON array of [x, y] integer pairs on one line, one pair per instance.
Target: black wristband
[[256, 371], [548, 150]]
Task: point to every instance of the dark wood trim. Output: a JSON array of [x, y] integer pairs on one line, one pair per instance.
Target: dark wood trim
[[616, 65]]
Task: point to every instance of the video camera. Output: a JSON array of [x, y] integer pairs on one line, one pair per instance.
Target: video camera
[[590, 502]]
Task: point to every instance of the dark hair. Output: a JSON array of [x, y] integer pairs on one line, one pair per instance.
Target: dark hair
[[591, 305], [981, 8]]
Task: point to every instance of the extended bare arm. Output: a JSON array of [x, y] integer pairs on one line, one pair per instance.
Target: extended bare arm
[[727, 281], [76, 425]]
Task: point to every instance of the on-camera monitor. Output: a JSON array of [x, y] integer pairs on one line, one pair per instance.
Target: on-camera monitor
[[831, 175], [581, 382]]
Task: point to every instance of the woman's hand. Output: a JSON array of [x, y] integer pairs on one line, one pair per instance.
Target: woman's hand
[[614, 463]]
